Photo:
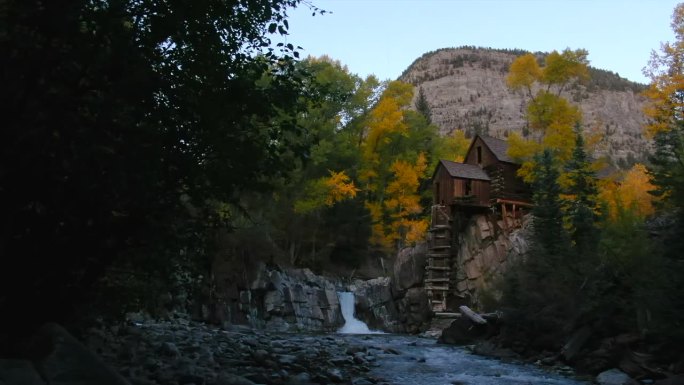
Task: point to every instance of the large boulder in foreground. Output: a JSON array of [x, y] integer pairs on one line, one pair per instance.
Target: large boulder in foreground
[[56, 357], [375, 305], [409, 267]]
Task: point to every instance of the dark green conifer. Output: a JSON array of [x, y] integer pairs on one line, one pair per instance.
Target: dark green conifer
[[423, 106]]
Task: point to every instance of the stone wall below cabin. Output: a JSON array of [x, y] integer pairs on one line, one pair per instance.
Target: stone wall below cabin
[[484, 249]]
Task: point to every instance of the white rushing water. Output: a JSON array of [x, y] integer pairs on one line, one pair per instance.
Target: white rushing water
[[351, 324]]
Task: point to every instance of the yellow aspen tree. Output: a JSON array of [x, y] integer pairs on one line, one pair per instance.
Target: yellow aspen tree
[[452, 147], [386, 118], [524, 73], [403, 202], [666, 71], [630, 193], [326, 191], [550, 116]]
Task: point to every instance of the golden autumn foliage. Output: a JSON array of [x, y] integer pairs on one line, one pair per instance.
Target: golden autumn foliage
[[453, 147], [403, 201], [523, 73], [551, 117], [629, 194], [666, 71], [396, 220], [562, 68], [386, 118], [326, 191], [340, 187]]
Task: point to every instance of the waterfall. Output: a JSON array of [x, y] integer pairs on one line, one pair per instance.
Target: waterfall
[[351, 324]]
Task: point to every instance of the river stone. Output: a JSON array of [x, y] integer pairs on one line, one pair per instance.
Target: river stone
[[169, 349], [19, 372], [462, 332], [614, 377], [409, 267], [231, 379], [62, 360], [299, 379]]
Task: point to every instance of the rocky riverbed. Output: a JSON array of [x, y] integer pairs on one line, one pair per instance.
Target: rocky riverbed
[[185, 353]]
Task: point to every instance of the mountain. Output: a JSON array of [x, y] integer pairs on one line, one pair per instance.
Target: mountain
[[466, 89]]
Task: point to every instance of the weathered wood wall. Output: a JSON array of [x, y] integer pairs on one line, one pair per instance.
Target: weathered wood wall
[[488, 157], [442, 184]]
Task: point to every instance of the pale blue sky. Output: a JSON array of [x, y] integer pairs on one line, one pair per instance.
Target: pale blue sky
[[384, 37]]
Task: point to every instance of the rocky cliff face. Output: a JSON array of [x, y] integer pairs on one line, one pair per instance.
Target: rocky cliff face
[[485, 248], [278, 299], [466, 90], [299, 300], [397, 304]]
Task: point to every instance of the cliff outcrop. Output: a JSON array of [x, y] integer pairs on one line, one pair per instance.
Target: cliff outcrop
[[466, 90]]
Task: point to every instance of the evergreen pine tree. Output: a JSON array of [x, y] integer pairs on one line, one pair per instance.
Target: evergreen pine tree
[[549, 234], [582, 203], [423, 106], [667, 171], [535, 297]]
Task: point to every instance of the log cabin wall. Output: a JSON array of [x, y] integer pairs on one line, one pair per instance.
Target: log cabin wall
[[481, 191], [486, 156], [514, 185], [443, 186], [477, 188]]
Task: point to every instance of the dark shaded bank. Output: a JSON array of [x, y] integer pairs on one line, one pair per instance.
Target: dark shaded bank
[[625, 358], [185, 352]]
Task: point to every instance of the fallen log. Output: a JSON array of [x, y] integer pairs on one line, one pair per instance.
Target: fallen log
[[471, 315], [492, 317]]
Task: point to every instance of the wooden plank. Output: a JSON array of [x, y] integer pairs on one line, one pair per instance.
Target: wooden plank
[[471, 315], [443, 268], [510, 202], [437, 280], [442, 314]]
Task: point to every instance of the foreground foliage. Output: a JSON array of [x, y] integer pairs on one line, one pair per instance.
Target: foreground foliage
[[124, 124]]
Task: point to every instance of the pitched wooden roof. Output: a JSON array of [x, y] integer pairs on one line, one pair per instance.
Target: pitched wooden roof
[[462, 170], [498, 146]]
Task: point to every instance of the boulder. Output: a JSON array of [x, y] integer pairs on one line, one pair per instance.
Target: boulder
[[416, 306], [409, 267], [291, 300], [614, 377], [673, 380], [19, 372], [462, 332], [375, 305], [62, 360]]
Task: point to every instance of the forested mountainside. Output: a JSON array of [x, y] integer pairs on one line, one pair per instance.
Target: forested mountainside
[[466, 89]]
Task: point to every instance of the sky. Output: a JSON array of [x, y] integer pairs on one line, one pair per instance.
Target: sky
[[383, 37]]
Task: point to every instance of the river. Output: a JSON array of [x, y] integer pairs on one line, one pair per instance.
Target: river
[[423, 361], [408, 360], [186, 352]]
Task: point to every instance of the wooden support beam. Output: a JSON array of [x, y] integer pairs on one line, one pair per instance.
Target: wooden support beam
[[440, 247], [437, 288], [471, 315], [519, 203], [442, 268]]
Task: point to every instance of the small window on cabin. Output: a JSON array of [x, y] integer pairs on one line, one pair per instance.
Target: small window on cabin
[[468, 187], [479, 154]]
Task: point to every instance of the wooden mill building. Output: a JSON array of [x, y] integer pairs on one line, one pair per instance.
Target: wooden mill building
[[485, 182]]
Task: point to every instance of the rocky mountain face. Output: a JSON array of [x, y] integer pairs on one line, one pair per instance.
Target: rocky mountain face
[[485, 248], [466, 90]]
